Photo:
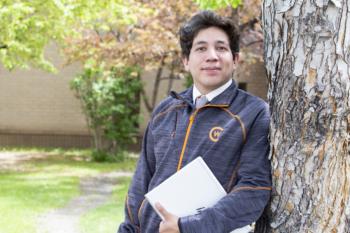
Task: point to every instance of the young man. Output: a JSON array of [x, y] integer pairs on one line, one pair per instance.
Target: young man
[[230, 132]]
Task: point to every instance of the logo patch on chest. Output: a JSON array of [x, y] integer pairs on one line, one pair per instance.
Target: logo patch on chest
[[214, 133]]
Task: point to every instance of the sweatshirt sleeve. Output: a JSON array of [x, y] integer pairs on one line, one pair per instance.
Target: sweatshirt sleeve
[[138, 187], [246, 201]]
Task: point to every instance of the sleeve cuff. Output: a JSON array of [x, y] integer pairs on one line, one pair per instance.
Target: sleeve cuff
[[189, 224], [179, 225]]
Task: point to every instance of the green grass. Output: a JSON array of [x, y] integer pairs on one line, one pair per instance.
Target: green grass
[[57, 151], [107, 218], [24, 196], [37, 186]]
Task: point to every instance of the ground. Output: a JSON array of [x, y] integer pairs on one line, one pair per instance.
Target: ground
[[94, 192]]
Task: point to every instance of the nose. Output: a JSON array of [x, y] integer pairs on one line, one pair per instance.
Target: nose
[[212, 55]]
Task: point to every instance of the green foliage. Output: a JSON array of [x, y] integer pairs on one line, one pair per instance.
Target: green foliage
[[102, 14], [216, 4], [26, 27], [99, 155], [188, 80], [110, 100]]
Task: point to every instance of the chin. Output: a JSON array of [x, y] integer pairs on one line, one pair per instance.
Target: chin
[[211, 87], [215, 85]]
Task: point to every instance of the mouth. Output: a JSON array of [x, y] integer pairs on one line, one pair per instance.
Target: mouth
[[211, 68]]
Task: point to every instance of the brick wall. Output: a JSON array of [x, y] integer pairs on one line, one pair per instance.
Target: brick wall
[[36, 106], [254, 76]]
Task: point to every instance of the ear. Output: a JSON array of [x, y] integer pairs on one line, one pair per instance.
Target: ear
[[185, 62], [236, 58]]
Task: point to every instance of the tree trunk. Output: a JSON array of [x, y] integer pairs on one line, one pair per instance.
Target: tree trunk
[[307, 56], [157, 82]]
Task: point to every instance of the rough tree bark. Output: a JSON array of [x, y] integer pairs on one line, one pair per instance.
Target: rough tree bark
[[307, 55]]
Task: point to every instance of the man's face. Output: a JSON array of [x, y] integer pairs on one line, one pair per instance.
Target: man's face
[[210, 62]]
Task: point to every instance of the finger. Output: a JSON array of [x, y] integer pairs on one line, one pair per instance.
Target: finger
[[162, 210], [161, 227]]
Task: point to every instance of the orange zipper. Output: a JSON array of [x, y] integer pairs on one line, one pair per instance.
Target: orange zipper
[[186, 139], [189, 130]]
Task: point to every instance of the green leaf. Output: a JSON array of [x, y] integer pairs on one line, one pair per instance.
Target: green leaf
[[217, 4]]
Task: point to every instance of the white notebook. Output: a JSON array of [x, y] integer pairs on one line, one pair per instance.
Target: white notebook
[[188, 191]]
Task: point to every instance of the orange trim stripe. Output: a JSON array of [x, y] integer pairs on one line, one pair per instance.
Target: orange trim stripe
[[251, 188], [168, 110], [233, 176], [129, 210], [216, 105], [240, 122], [139, 212]]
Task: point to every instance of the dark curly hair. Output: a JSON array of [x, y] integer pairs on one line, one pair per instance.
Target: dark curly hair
[[203, 20]]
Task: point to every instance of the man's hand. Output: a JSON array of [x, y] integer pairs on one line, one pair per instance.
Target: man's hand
[[169, 224]]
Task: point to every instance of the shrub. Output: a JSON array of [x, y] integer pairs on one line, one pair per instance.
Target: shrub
[[110, 102]]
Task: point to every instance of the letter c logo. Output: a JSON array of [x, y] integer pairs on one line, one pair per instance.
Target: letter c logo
[[214, 133]]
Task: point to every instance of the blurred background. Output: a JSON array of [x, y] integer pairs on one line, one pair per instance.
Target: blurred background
[[78, 83]]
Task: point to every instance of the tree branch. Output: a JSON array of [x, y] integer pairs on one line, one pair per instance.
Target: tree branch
[[171, 77], [98, 34], [249, 24], [253, 42], [167, 78], [3, 46], [157, 81], [144, 96], [116, 34], [146, 101]]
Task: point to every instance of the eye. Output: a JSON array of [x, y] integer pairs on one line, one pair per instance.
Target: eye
[[201, 49], [222, 48]]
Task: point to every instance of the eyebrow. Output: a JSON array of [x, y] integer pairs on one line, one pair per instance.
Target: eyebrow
[[205, 42], [200, 42]]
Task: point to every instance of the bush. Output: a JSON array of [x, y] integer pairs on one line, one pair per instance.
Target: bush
[[110, 101], [104, 156]]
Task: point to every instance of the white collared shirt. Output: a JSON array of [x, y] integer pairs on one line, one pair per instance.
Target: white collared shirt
[[211, 95]]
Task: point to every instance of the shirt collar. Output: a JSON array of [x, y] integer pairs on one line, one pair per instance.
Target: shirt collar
[[211, 95], [224, 99]]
